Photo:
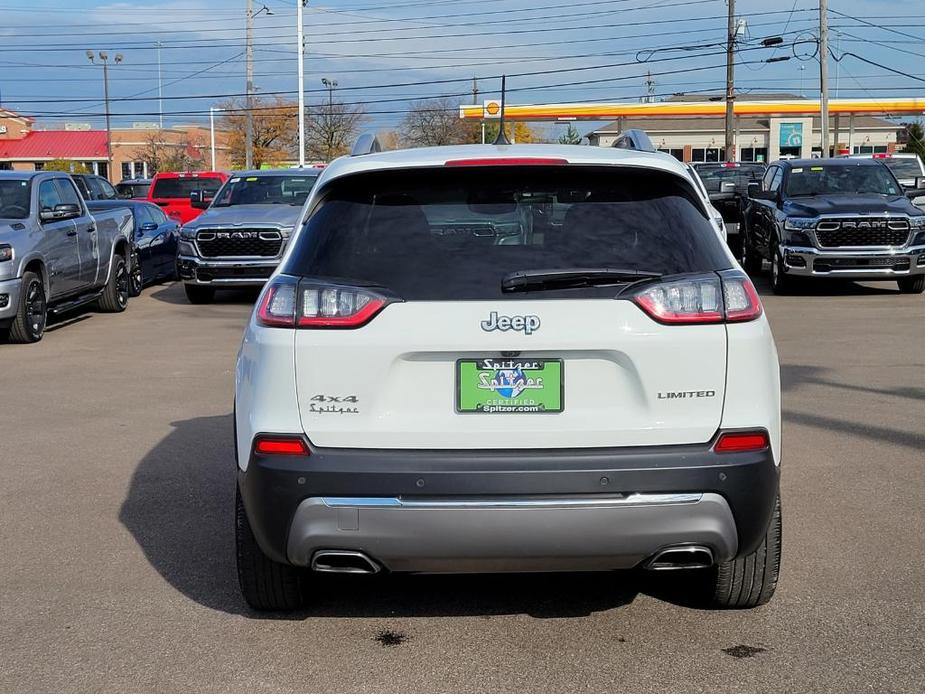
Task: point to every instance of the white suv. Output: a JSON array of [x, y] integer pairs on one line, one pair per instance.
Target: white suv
[[521, 358]]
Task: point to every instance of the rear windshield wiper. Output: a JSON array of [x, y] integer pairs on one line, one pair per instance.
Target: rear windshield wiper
[[567, 278]]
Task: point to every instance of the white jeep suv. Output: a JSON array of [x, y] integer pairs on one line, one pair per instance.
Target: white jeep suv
[[507, 358]]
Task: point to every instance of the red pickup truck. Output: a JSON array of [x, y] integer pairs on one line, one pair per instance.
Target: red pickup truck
[[171, 191]]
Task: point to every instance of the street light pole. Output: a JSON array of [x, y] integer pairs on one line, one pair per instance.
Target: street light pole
[[104, 58], [160, 93], [212, 111], [300, 47]]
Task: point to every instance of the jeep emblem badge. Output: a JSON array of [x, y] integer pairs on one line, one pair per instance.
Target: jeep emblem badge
[[525, 324]]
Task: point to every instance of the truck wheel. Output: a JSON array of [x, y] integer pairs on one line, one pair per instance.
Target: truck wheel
[[135, 278], [912, 285], [750, 581], [114, 298], [265, 584], [781, 282], [29, 323], [199, 295]]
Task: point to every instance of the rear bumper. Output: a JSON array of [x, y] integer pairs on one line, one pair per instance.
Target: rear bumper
[[235, 273], [569, 509], [886, 264]]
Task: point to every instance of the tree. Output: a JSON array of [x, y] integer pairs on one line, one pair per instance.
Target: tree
[[517, 132], [331, 129], [162, 154], [67, 166], [570, 136], [276, 130], [916, 139], [433, 122]]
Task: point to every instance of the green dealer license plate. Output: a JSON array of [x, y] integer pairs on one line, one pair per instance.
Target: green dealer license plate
[[502, 385]]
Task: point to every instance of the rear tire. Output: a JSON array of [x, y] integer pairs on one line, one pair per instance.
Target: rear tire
[[115, 296], [199, 295], [135, 278], [29, 323], [265, 584], [750, 581], [912, 285], [750, 260]]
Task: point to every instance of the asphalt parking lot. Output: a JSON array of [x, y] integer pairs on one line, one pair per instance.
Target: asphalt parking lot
[[117, 570]]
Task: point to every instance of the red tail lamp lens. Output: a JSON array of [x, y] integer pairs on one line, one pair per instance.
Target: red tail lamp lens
[[739, 442], [281, 446]]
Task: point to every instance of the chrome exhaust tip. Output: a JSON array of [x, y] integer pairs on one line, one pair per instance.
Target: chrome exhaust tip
[[680, 557], [343, 561]]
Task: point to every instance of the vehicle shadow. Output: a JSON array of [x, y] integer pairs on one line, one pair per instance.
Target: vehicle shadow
[[172, 293], [180, 509]]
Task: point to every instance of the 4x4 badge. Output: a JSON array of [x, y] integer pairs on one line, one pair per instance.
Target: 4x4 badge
[[524, 324]]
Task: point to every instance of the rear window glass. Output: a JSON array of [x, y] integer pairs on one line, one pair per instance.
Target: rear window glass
[[712, 176], [455, 233], [903, 167], [182, 187], [133, 190]]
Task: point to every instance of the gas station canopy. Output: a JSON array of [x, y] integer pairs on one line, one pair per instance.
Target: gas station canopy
[[490, 110]]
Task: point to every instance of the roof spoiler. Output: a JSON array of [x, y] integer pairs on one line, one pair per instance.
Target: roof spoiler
[[367, 143], [634, 139]]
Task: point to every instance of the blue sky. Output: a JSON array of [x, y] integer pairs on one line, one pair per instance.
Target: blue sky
[[553, 50]]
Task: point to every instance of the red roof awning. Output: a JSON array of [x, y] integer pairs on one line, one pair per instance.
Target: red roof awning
[[56, 144]]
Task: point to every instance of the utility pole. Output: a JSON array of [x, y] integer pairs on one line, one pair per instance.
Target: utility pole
[[824, 75], [330, 85], [730, 81], [160, 92], [212, 111], [249, 91], [104, 58], [475, 90], [300, 47], [650, 88]]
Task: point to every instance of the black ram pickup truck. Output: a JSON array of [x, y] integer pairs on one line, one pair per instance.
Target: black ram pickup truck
[[834, 218], [726, 184]]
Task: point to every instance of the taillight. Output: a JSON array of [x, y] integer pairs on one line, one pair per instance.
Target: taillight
[[690, 300], [327, 306], [729, 297], [740, 297], [275, 444], [741, 441], [289, 303]]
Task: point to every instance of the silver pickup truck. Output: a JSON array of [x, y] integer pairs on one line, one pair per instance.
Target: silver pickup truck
[[55, 255], [240, 238]]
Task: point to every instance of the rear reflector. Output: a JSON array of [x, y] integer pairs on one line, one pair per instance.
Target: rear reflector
[[739, 442], [279, 445], [508, 161]]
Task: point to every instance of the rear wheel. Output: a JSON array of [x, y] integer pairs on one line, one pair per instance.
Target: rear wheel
[[29, 323], [135, 278], [265, 584], [199, 295], [750, 581], [114, 298], [912, 285]]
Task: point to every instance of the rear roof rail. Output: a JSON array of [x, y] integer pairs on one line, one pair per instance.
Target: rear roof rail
[[634, 139], [367, 143]]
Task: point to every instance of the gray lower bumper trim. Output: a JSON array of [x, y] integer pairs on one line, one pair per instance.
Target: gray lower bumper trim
[[512, 534]]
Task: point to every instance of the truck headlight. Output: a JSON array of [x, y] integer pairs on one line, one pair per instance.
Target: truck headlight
[[187, 234], [185, 248], [799, 223], [6, 252]]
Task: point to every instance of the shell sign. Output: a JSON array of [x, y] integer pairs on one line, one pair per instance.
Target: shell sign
[[491, 109]]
